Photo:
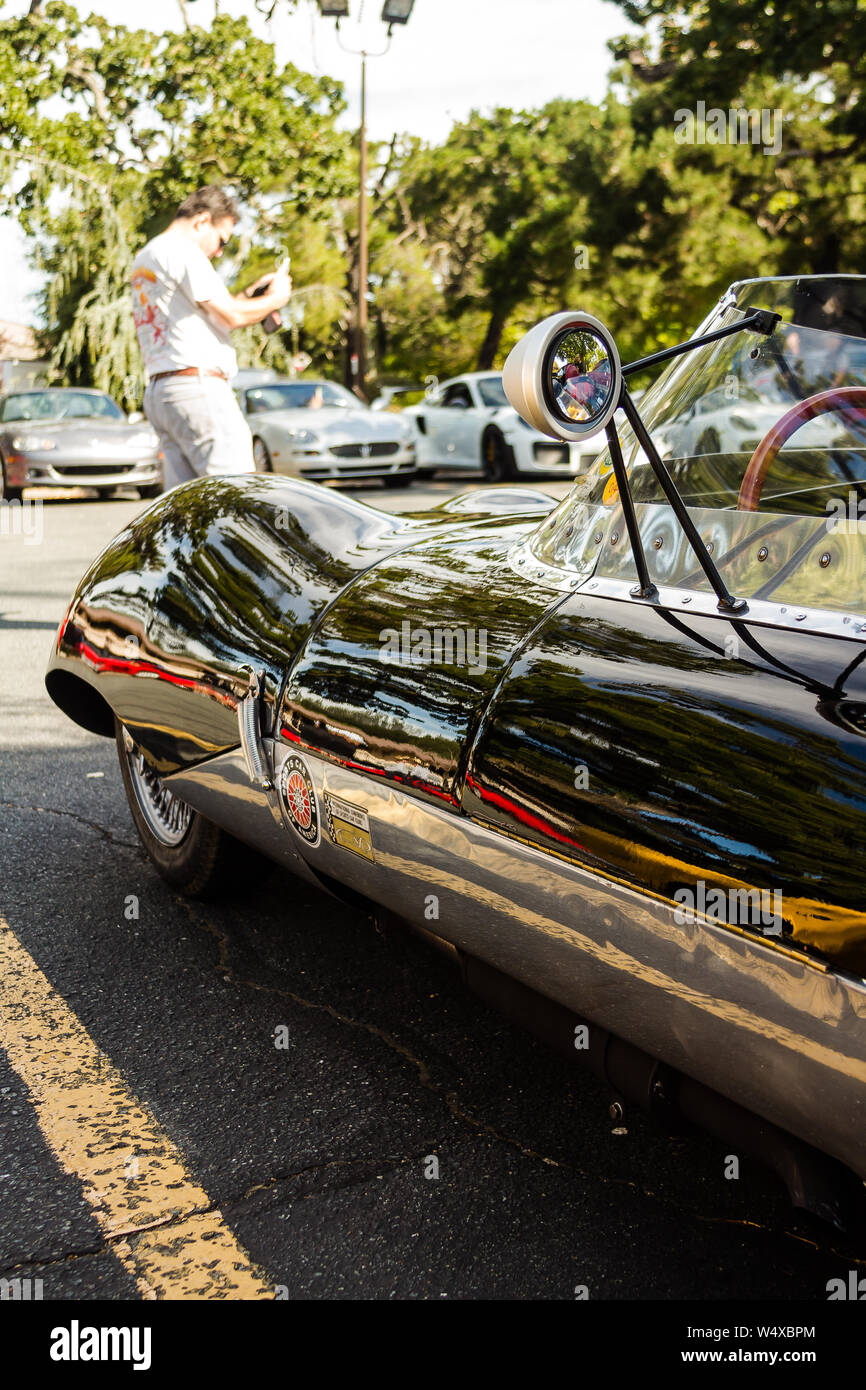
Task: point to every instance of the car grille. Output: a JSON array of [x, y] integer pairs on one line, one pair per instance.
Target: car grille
[[550, 453], [364, 451], [95, 470]]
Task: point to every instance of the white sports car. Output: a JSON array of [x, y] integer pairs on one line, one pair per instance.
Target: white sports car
[[319, 430], [467, 423]]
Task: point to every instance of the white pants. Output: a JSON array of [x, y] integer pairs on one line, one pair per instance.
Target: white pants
[[201, 428]]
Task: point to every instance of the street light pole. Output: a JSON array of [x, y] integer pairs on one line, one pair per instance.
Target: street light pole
[[363, 248], [359, 356], [393, 12]]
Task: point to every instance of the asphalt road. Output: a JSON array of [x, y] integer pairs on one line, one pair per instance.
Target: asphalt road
[[316, 1155]]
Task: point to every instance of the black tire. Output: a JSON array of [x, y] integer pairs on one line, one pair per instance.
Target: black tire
[[497, 458], [152, 490], [709, 443], [262, 456], [399, 480], [205, 861], [8, 494]]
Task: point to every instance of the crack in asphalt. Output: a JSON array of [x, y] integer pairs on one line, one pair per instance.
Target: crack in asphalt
[[73, 815], [129, 1233], [426, 1079], [370, 1162]]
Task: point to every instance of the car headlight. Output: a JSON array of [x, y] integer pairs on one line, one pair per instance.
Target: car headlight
[[303, 437], [32, 443]]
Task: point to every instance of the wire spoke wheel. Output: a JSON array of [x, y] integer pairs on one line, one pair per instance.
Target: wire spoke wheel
[[167, 817]]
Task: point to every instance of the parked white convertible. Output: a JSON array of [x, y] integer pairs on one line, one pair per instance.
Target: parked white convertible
[[467, 423], [319, 430]]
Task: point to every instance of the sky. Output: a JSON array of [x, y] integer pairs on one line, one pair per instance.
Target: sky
[[452, 57]]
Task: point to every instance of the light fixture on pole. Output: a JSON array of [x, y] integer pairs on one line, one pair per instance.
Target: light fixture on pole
[[397, 11]]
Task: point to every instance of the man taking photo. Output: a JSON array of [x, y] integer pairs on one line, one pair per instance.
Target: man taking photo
[[183, 317]]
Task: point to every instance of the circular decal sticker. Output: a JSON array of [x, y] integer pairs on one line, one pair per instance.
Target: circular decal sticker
[[298, 799]]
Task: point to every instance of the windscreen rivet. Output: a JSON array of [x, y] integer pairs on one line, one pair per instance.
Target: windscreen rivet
[[569, 530], [687, 598], [825, 559], [598, 538], [658, 542], [710, 547], [763, 553], [799, 617], [614, 538]]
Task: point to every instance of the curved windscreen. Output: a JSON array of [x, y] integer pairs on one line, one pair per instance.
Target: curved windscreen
[[301, 395], [491, 391], [59, 405], [708, 413]]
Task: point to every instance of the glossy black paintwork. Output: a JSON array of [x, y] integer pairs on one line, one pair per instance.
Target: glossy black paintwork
[[745, 769], [413, 723], [663, 750], [217, 576]]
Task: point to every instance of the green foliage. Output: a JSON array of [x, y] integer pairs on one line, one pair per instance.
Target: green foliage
[[104, 129]]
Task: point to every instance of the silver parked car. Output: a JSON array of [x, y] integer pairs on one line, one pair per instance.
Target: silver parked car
[[73, 437], [319, 430]]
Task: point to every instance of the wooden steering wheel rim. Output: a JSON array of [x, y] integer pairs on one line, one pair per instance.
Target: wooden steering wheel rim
[[837, 398]]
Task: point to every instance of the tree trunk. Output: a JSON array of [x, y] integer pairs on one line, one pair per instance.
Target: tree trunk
[[492, 339]]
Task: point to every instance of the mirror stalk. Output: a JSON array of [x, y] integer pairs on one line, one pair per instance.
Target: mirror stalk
[[727, 602], [644, 588], [761, 320]]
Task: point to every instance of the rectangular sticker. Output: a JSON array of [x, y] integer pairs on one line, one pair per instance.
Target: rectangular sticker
[[349, 826]]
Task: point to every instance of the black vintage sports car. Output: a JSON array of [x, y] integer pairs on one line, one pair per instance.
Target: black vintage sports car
[[612, 752]]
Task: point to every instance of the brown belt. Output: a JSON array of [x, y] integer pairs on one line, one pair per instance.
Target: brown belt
[[192, 371]]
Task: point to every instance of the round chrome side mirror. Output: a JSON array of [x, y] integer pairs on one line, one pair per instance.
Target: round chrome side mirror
[[564, 376]]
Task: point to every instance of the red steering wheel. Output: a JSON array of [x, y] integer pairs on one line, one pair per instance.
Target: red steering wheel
[[850, 398]]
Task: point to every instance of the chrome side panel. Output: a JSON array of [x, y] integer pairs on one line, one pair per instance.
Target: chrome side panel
[[221, 790], [781, 1035]]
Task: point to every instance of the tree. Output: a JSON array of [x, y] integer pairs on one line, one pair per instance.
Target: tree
[[803, 59], [104, 129]]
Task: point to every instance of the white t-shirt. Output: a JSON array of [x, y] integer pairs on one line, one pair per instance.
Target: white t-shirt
[[170, 278]]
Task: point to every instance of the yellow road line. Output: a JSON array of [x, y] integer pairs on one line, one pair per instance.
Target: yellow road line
[[159, 1220]]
